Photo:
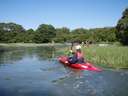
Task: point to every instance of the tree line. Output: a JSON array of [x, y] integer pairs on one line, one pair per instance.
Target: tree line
[[15, 33]]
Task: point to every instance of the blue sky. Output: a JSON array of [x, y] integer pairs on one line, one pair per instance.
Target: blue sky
[[62, 13]]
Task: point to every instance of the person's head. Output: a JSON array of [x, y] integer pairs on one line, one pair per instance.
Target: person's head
[[78, 47]]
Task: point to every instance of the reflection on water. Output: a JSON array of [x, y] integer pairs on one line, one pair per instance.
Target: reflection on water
[[35, 71], [12, 54]]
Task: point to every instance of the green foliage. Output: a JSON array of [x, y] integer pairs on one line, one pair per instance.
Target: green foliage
[[13, 33], [94, 35], [45, 33], [10, 31], [29, 36], [122, 28], [104, 34], [62, 34], [79, 34], [79, 31], [11, 27]]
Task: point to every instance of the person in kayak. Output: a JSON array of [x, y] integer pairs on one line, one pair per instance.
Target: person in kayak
[[77, 56]]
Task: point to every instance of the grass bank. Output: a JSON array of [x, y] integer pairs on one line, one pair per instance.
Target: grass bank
[[107, 56]]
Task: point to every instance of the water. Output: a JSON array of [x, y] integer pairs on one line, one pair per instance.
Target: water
[[35, 71]]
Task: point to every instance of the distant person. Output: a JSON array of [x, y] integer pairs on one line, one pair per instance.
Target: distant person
[[83, 44]]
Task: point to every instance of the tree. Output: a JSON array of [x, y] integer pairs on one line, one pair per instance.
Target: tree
[[11, 27], [45, 33], [79, 31], [79, 35], [62, 34], [29, 36], [106, 34], [122, 28], [9, 31]]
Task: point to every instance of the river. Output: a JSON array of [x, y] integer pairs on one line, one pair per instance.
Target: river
[[35, 71]]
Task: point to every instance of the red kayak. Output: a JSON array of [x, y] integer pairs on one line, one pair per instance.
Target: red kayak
[[83, 66]]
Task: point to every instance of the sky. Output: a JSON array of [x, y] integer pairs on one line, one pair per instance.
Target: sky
[[62, 13]]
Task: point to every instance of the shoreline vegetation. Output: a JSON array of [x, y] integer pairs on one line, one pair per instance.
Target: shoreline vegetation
[[108, 56]]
